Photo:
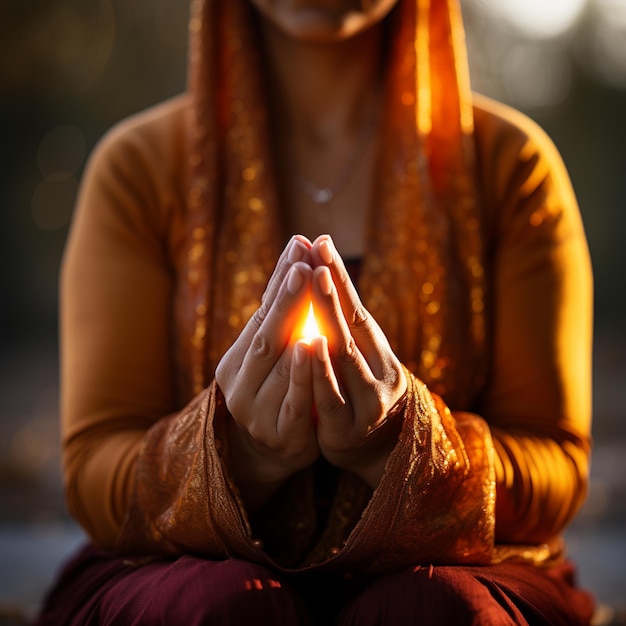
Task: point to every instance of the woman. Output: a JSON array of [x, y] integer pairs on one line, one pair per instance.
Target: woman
[[417, 462]]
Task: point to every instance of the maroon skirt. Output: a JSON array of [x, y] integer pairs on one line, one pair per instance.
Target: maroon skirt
[[100, 588]]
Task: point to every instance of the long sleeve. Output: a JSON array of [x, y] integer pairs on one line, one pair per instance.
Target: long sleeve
[[142, 468], [538, 398], [183, 501], [116, 305]]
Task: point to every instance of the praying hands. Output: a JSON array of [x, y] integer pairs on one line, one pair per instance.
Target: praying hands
[[339, 396]]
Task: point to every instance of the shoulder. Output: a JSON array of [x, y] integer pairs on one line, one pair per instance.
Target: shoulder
[[135, 178], [161, 122], [148, 143], [520, 170], [500, 122], [508, 141]]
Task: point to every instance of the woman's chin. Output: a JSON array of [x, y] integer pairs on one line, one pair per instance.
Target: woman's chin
[[318, 22]]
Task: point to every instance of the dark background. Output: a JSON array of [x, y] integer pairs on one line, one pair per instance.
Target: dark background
[[69, 69]]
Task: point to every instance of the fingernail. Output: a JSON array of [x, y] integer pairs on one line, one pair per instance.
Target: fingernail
[[325, 282], [321, 348], [299, 354], [295, 281], [326, 251], [296, 252]]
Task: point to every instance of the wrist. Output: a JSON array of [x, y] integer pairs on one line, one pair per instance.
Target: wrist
[[371, 471], [257, 470], [254, 476], [368, 461]]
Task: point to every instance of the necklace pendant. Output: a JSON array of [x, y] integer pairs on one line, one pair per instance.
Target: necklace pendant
[[322, 196]]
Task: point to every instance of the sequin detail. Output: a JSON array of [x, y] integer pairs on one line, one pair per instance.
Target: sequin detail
[[426, 229]]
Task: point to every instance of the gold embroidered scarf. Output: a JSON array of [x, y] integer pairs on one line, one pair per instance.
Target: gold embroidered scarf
[[423, 272]]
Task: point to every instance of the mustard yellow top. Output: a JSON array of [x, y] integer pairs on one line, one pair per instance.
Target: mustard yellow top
[[522, 464]]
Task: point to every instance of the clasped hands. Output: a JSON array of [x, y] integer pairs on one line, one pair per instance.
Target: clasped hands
[[291, 401]]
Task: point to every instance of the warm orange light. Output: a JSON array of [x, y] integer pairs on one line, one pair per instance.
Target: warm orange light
[[310, 330]]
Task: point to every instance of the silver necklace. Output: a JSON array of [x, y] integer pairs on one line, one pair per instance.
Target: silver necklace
[[325, 194]]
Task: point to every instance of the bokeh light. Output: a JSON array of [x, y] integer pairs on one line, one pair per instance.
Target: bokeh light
[[526, 52], [607, 41], [535, 75], [53, 200], [539, 18], [60, 48], [62, 150], [60, 156]]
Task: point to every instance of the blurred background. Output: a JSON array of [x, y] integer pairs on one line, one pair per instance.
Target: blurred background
[[69, 69]]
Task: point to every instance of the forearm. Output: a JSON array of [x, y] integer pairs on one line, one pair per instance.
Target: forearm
[[182, 500], [435, 501]]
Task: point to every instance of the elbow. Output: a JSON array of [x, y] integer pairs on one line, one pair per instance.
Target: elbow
[[543, 496], [94, 490], [101, 532]]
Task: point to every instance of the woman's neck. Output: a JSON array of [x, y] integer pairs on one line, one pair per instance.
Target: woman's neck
[[322, 91]]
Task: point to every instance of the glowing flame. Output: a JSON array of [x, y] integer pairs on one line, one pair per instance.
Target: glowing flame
[[310, 330]]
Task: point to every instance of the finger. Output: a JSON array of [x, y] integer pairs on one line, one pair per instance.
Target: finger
[[282, 423], [244, 369], [323, 252], [367, 334], [288, 389], [295, 417], [344, 350], [333, 412], [298, 249], [273, 335], [367, 391]]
